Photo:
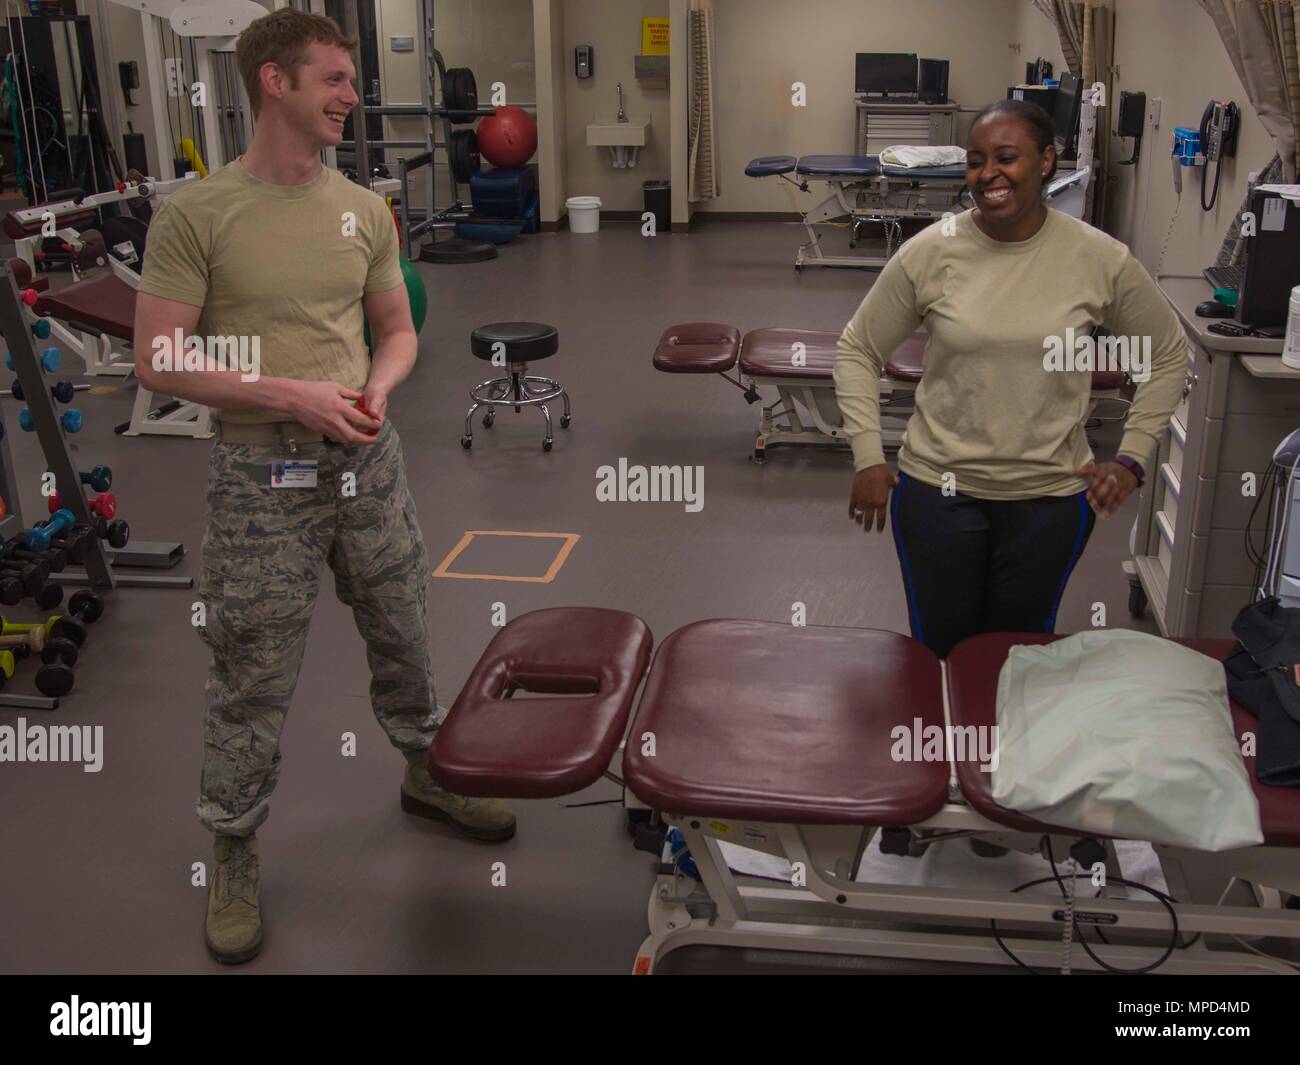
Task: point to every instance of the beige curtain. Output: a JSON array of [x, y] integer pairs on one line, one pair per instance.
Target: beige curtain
[[702, 162], [1086, 29], [1260, 37]]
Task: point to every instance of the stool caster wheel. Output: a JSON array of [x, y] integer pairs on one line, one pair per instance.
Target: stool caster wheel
[[467, 442], [547, 445], [488, 419], [759, 455], [564, 421]]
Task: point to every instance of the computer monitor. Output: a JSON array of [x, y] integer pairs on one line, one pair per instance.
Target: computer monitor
[[1065, 115], [890, 73]]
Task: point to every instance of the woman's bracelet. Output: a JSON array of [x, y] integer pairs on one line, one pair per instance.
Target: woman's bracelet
[[1134, 467]]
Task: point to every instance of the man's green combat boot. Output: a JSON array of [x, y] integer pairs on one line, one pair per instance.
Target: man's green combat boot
[[489, 820], [233, 931]]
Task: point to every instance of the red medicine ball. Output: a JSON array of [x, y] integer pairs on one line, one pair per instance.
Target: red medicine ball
[[507, 138]]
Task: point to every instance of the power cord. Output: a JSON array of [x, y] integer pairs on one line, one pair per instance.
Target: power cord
[[1165, 900]]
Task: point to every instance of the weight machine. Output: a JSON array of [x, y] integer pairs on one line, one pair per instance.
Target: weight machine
[[448, 100]]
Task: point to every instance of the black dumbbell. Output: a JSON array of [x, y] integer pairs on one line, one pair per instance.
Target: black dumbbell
[[117, 532], [53, 556], [75, 543], [84, 608], [55, 679], [11, 590], [48, 596], [32, 574], [59, 650]]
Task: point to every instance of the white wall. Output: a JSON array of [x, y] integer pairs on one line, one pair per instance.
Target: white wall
[[552, 151], [766, 45], [1170, 49], [613, 29], [1036, 36]]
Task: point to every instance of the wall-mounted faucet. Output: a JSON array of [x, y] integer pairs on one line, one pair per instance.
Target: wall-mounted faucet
[[622, 115]]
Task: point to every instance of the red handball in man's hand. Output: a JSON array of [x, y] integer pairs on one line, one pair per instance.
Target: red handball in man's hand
[[361, 406]]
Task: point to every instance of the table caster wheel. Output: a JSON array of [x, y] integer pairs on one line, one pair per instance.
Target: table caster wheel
[[488, 419], [1137, 600], [467, 442], [547, 444]]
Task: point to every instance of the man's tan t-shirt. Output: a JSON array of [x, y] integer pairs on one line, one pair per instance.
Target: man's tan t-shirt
[[992, 409], [285, 264]]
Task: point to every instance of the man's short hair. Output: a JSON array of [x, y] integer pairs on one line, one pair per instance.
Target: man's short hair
[[282, 38]]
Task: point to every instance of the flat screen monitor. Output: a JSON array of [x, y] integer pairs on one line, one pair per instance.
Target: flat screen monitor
[[891, 73], [1065, 115]]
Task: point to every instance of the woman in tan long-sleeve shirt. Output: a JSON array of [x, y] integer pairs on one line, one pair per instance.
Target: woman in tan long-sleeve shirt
[[998, 490]]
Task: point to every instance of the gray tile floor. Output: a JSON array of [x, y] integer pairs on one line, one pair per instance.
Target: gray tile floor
[[98, 866]]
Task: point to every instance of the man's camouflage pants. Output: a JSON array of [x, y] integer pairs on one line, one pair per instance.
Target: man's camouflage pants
[[263, 554]]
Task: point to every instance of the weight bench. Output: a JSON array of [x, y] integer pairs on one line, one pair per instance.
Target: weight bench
[[86, 318], [778, 739], [799, 364]]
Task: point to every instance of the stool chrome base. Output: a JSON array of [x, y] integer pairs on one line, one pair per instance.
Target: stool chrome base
[[519, 390]]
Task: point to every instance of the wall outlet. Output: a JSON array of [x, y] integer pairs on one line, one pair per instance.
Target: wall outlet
[[1153, 111]]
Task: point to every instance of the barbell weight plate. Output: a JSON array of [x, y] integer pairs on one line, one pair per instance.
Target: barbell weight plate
[[462, 152], [460, 94]]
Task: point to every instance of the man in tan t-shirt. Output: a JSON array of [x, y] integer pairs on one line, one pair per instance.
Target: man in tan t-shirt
[[280, 257]]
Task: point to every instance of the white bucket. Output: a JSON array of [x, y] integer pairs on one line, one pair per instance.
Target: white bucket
[[1291, 349], [584, 214]]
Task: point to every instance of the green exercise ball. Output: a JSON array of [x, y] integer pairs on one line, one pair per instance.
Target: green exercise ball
[[419, 299]]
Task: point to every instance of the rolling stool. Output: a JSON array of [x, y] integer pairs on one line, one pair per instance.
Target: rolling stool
[[519, 343]]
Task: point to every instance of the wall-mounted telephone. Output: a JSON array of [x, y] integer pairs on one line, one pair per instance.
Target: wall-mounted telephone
[[1132, 121], [1219, 126]]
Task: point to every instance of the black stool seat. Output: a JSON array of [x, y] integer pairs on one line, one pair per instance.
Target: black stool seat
[[524, 341]]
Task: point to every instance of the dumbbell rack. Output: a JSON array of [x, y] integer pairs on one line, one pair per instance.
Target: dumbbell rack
[[54, 445], [98, 572]]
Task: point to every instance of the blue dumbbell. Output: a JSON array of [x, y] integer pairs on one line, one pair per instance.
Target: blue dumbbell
[[49, 359], [41, 328], [69, 419], [62, 392], [38, 539]]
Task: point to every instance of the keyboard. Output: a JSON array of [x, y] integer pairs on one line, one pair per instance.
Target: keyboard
[[1229, 277]]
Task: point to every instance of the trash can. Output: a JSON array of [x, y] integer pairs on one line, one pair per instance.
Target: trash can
[[659, 202]]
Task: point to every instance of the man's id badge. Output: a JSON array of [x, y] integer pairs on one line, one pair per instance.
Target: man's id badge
[[293, 474]]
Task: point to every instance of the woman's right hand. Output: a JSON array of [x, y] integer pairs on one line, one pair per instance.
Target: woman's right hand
[[869, 502]]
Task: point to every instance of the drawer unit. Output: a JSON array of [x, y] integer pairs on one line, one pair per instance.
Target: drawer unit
[[1165, 546], [1168, 504], [1177, 445]]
